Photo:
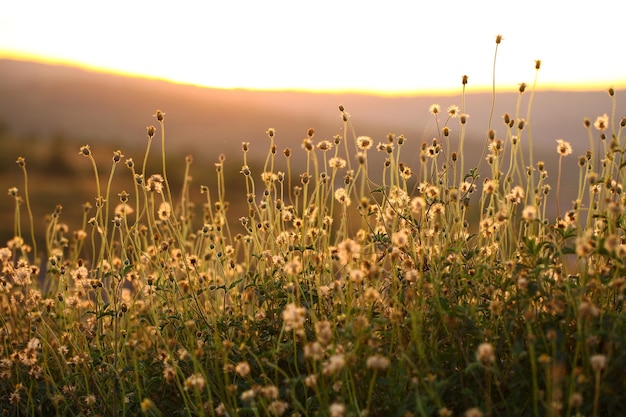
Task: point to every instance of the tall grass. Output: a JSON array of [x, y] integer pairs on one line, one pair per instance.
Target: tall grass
[[340, 292]]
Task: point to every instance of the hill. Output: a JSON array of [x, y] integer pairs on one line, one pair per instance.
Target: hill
[[48, 111]]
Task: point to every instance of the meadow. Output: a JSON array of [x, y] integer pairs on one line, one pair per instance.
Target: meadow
[[443, 288]]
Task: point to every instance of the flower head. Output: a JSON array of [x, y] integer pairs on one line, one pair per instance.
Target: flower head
[[602, 122], [434, 109], [563, 147]]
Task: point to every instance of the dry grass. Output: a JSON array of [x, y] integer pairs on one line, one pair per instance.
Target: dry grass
[[336, 294]]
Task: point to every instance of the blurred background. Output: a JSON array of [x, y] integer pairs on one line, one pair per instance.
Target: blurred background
[[74, 74]]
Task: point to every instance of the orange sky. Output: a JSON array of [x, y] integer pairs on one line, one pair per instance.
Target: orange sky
[[395, 47]]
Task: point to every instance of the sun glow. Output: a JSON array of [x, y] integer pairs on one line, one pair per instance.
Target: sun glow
[[327, 46]]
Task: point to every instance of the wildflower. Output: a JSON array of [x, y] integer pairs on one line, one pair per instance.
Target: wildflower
[[576, 399], [406, 173], [15, 397], [293, 318], [485, 354], [444, 412], [337, 410], [453, 111], [334, 364], [277, 408], [147, 405], [155, 183], [248, 396], [473, 412], [400, 238], [269, 177], [159, 115], [314, 351], [89, 400], [220, 410], [195, 382], [418, 204], [516, 195], [364, 142], [84, 150], [357, 276], [467, 187], [612, 242], [434, 109], [117, 156], [432, 192], [436, 209], [348, 250], [529, 213], [324, 332], [165, 211], [341, 195], [378, 362], [371, 295], [563, 147], [270, 392], [243, 369], [598, 362], [601, 123], [585, 245], [325, 145], [337, 163], [293, 267], [310, 380]]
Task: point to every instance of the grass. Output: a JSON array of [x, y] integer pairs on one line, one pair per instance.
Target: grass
[[347, 289]]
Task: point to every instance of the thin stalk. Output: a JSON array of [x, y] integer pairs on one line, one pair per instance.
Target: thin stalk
[[22, 163]]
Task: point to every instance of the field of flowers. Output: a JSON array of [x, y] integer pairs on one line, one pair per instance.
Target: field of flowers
[[440, 289]]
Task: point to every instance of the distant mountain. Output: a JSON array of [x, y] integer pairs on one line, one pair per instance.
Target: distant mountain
[[58, 105], [46, 100]]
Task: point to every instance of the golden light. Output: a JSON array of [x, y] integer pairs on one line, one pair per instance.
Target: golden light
[[399, 47]]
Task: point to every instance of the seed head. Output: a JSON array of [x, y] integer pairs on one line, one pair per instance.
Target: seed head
[[537, 64], [151, 130], [159, 115], [498, 39], [563, 147], [117, 156], [485, 354], [464, 79], [85, 150], [598, 362], [378, 362], [21, 162], [434, 109], [602, 122]]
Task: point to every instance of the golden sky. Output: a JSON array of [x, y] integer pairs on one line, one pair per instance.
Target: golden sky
[[390, 47]]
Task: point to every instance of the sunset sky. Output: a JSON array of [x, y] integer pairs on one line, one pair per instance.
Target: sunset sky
[[391, 47]]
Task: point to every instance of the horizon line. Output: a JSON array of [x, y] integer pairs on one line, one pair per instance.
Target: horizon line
[[472, 89]]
